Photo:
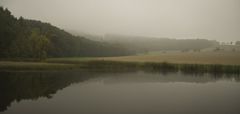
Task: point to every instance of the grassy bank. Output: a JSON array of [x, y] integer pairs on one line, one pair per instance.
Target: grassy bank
[[165, 67], [16, 66], [201, 62], [122, 66]]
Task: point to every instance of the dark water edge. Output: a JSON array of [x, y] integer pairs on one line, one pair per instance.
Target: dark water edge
[[32, 85], [215, 69]]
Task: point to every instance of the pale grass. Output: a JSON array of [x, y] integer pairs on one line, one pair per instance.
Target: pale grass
[[225, 58]]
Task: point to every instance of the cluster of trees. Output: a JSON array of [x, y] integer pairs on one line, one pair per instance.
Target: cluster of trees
[[33, 46], [23, 38]]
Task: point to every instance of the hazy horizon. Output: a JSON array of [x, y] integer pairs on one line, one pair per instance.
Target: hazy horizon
[[180, 19]]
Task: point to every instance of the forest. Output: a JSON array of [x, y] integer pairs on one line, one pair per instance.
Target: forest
[[24, 38]]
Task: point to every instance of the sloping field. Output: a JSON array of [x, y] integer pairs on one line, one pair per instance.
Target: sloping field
[[226, 58]]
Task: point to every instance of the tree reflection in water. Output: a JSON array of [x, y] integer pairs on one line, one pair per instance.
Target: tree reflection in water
[[17, 86]]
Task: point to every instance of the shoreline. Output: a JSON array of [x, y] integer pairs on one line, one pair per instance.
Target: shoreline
[[119, 65]]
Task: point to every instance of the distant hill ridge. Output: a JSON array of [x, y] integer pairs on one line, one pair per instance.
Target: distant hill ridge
[[140, 43], [144, 43]]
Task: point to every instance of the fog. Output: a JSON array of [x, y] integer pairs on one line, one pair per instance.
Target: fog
[[208, 19]]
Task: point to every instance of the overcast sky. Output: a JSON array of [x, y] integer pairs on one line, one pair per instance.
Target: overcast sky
[[210, 19]]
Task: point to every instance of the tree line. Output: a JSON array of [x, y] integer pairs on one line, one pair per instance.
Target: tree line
[[142, 44]]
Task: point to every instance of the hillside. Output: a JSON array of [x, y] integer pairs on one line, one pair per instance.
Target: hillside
[[143, 44], [23, 38]]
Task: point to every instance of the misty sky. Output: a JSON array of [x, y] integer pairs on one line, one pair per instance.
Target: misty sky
[[211, 19]]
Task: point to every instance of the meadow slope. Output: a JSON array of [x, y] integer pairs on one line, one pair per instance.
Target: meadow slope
[[224, 58]]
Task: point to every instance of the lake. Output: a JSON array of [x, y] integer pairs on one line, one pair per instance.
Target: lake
[[118, 92]]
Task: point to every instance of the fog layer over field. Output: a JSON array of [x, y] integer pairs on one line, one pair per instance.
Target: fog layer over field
[[207, 19]]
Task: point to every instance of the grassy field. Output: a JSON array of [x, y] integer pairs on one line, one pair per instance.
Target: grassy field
[[227, 62], [188, 62], [224, 58]]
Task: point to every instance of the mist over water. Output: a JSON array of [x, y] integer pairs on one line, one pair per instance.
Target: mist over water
[[214, 19]]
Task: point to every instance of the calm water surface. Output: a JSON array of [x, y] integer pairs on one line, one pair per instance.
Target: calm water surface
[[87, 92]]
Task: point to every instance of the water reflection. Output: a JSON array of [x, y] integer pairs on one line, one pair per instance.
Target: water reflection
[[17, 86]]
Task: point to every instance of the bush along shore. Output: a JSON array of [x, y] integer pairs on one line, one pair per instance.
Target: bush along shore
[[122, 66]]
